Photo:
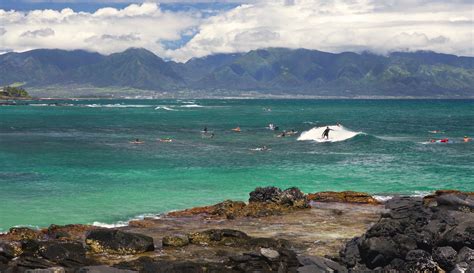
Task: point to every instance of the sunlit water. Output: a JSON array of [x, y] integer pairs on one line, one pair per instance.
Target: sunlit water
[[74, 163]]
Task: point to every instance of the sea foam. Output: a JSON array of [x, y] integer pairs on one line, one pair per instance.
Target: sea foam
[[337, 133]]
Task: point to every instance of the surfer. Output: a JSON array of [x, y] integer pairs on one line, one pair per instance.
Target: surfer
[[204, 130], [137, 141], [237, 129], [261, 149], [467, 139], [326, 132], [272, 127]]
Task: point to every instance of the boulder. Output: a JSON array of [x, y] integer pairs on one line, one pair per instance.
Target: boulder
[[228, 209], [256, 262], [293, 197], [265, 194], [343, 197], [22, 233], [263, 202], [68, 254], [30, 247], [75, 231], [192, 211], [462, 268], [386, 227], [466, 254], [412, 237], [312, 264], [176, 240], [378, 251], [445, 256], [269, 253], [114, 241], [460, 235], [455, 200], [430, 199], [350, 254], [420, 261], [10, 250], [218, 236]]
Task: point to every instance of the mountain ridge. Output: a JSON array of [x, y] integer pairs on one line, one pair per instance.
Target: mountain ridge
[[272, 71]]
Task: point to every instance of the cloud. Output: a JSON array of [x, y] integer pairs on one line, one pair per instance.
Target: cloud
[[380, 26], [107, 30], [44, 32], [107, 37], [2, 31]]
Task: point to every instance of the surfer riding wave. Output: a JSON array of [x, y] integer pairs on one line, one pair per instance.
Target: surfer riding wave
[[331, 133]]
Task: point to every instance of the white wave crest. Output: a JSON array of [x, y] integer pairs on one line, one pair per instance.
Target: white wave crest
[[165, 108], [125, 223], [117, 105], [114, 225], [383, 198], [192, 106], [337, 133]]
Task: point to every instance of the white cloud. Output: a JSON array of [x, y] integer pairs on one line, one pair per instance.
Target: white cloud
[[43, 32], [107, 30], [329, 25], [338, 25]]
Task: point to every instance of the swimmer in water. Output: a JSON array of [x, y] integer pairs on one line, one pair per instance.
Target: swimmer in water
[[326, 132], [467, 139], [137, 141]]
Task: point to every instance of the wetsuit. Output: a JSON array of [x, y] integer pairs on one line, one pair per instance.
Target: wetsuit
[[326, 133]]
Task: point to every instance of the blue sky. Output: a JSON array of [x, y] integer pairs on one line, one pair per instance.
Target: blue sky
[[91, 6], [181, 30]]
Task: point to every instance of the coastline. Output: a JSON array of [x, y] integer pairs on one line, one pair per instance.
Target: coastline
[[262, 97], [125, 221], [278, 226]]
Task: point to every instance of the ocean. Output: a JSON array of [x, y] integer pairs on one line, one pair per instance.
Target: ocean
[[73, 162]]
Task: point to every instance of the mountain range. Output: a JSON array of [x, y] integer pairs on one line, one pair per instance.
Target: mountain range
[[272, 71]]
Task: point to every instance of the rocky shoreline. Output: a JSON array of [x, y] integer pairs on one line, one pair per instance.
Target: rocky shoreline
[[276, 231]]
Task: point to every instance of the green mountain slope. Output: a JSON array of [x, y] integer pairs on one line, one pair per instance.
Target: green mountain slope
[[271, 71]]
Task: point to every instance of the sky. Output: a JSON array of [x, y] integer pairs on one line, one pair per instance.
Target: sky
[[180, 30]]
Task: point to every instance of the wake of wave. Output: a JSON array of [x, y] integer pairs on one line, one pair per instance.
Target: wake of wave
[[337, 133]]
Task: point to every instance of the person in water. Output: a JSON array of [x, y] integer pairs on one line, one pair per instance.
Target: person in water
[[205, 130], [326, 132], [467, 139], [137, 141]]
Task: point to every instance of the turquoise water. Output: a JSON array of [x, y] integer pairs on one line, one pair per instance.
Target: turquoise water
[[74, 164]]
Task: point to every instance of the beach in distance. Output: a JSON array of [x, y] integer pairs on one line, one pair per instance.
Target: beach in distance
[[74, 161]]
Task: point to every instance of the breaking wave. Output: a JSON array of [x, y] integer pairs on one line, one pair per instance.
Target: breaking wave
[[165, 108], [337, 133]]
